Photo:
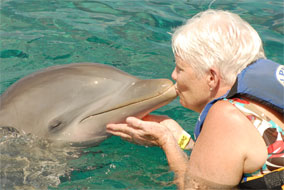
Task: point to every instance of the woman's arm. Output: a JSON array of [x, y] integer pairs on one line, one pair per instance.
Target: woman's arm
[[177, 160]]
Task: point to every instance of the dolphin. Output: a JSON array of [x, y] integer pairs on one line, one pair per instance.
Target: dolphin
[[72, 103]]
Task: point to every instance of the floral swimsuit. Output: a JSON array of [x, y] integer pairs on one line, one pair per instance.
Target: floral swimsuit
[[272, 134]]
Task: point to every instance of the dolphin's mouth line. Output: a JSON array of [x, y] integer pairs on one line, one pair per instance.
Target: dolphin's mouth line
[[164, 92]]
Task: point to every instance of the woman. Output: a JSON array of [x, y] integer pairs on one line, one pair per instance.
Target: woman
[[240, 130]]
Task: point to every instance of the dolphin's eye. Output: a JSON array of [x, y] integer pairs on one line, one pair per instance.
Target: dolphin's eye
[[55, 125]]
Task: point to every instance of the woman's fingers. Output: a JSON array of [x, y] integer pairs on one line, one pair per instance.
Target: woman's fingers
[[134, 122], [122, 135], [120, 129]]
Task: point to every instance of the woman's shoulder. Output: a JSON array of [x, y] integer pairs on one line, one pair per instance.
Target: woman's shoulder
[[227, 124], [226, 112], [224, 118]]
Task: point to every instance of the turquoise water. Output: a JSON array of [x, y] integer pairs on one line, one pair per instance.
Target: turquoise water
[[133, 36]]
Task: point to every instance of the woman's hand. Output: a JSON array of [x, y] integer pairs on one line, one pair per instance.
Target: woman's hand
[[156, 131], [153, 130]]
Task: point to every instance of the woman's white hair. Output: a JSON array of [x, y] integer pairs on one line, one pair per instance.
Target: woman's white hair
[[220, 39]]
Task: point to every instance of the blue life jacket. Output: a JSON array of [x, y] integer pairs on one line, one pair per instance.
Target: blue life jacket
[[262, 81]]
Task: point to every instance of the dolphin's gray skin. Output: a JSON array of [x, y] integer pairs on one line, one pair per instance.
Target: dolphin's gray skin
[[73, 103]]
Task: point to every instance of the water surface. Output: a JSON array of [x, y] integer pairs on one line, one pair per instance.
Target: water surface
[[133, 36]]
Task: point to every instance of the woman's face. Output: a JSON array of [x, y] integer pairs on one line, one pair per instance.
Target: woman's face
[[193, 91]]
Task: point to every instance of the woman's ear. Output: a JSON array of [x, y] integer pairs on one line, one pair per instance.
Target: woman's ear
[[213, 79]]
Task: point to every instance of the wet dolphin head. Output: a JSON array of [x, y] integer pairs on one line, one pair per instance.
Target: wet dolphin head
[[73, 103]]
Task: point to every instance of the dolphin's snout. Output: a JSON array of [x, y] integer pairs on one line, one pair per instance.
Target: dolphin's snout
[[146, 89], [161, 85]]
